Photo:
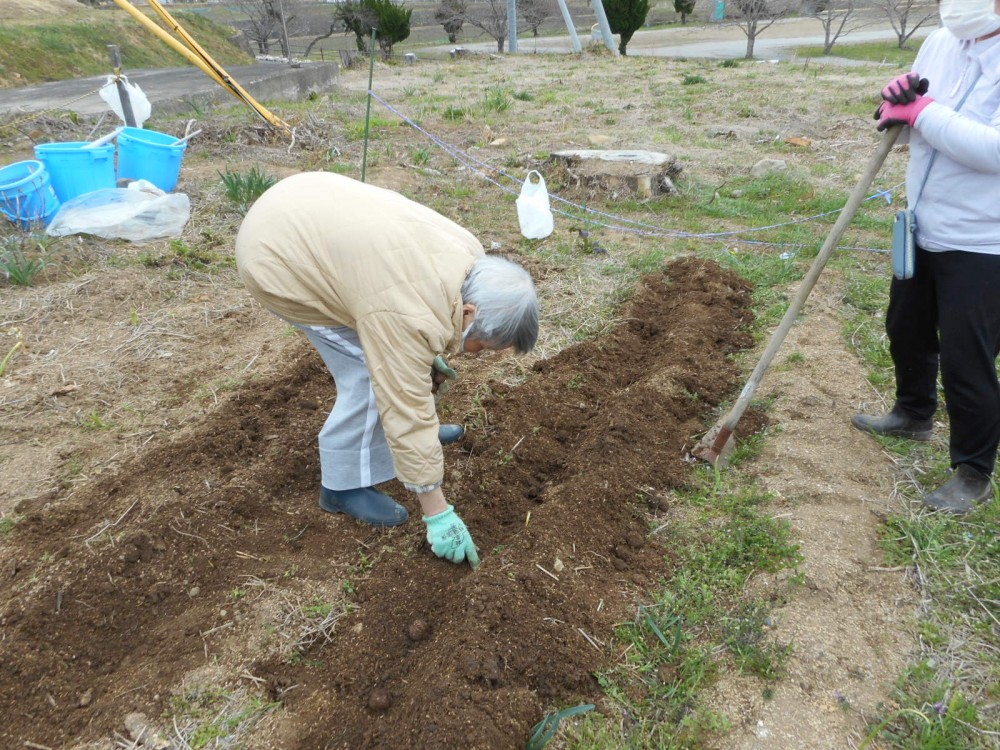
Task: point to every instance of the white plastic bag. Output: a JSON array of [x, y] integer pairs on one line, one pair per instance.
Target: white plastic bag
[[141, 108], [533, 211], [139, 212]]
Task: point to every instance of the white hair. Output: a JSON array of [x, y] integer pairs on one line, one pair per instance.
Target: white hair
[[506, 304]]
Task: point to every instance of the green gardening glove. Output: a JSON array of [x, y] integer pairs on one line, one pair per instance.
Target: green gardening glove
[[441, 366], [450, 539], [441, 373]]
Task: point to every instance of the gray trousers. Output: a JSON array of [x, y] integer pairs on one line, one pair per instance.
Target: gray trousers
[[353, 451]]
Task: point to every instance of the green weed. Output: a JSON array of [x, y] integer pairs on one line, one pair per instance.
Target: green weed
[[94, 421], [214, 717], [14, 344], [356, 132], [929, 717], [497, 99], [23, 256], [243, 189], [183, 257], [420, 156]]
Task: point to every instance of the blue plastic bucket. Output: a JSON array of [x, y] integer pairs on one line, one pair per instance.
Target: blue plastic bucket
[[75, 170], [149, 155], [26, 194]]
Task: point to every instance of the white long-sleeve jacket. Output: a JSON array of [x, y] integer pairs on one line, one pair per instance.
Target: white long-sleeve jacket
[[959, 208]]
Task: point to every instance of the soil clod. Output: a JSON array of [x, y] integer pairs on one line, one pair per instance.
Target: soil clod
[[418, 630], [379, 700]]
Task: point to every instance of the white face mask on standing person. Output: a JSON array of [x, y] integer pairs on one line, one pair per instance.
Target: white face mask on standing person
[[969, 19]]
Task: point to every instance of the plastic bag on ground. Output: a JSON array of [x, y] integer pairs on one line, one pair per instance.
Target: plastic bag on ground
[[137, 213], [533, 211]]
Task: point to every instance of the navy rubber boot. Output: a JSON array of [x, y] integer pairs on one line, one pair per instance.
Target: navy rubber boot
[[365, 504], [962, 492], [895, 424], [450, 433]]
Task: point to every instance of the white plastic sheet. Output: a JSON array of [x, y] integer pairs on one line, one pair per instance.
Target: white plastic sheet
[[137, 213]]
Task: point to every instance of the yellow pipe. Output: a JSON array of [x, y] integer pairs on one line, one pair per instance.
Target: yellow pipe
[[164, 36], [234, 87], [201, 64]]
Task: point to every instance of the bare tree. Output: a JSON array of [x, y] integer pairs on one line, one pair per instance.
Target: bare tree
[[755, 16], [901, 14], [490, 16], [451, 15], [838, 20], [335, 26], [263, 24], [534, 13]]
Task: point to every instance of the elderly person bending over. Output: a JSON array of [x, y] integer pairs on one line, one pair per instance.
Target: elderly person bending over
[[382, 286]]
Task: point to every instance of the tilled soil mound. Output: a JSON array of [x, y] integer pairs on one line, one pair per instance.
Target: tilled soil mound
[[556, 479]]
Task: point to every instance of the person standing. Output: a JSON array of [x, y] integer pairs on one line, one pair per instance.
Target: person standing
[[947, 316], [382, 287]]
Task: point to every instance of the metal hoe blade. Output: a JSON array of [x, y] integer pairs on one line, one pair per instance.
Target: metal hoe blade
[[716, 447]]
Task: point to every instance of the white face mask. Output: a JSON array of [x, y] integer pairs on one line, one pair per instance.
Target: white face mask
[[969, 19]]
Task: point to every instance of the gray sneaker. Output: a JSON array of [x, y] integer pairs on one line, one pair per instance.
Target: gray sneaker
[[962, 492], [895, 424]]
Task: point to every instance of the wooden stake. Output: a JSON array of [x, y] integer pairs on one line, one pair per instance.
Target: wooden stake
[[116, 64]]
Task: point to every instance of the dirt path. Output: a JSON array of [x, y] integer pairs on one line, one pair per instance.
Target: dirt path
[[850, 619]]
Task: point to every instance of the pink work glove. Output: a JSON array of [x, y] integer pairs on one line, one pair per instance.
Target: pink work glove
[[889, 114], [905, 88]]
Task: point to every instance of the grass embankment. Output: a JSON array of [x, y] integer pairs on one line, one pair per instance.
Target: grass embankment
[[54, 50], [880, 52]]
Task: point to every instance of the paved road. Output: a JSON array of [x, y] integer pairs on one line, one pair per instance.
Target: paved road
[[188, 89], [715, 41], [172, 89]]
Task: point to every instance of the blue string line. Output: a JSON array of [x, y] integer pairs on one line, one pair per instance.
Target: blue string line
[[644, 230]]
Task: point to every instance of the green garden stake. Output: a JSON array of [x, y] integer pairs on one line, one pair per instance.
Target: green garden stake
[[368, 111]]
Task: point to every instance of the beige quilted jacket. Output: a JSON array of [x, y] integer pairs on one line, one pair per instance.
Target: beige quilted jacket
[[323, 249]]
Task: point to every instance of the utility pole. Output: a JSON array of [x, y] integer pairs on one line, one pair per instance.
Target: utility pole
[[602, 21], [569, 26], [512, 25], [284, 32]]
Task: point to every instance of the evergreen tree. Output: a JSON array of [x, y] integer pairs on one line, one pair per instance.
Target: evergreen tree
[[625, 17]]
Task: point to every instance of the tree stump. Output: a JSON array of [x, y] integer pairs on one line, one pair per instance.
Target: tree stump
[[618, 173]]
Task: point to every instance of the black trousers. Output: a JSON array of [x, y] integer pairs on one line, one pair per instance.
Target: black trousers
[[949, 313]]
